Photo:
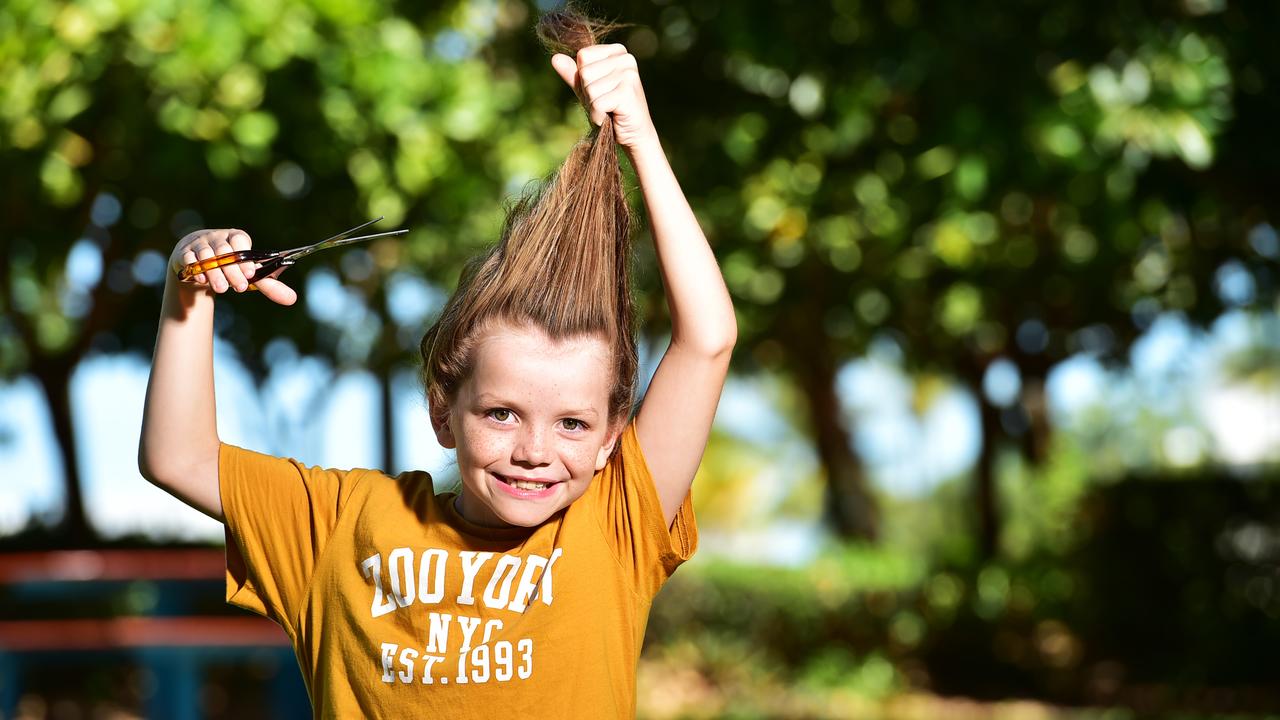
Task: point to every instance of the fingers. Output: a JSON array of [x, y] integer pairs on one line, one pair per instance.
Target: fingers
[[567, 69], [603, 67], [603, 96], [592, 53], [187, 257], [213, 278], [276, 291], [232, 276], [592, 63], [240, 240], [600, 78], [604, 104], [205, 244]]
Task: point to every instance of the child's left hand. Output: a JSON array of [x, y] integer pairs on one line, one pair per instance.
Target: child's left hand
[[607, 81]]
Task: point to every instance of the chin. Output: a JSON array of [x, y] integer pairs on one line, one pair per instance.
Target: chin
[[526, 517]]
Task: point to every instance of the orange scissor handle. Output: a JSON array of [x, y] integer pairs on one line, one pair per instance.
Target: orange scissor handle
[[188, 272]]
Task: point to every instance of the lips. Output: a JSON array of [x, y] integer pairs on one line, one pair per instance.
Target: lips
[[518, 481], [526, 487]]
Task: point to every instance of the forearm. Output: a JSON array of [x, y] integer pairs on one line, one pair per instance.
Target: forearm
[[701, 311], [178, 448]]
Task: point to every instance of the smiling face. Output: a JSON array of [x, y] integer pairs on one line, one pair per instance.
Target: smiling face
[[530, 425]]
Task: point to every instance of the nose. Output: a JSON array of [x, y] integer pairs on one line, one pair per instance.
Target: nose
[[532, 447]]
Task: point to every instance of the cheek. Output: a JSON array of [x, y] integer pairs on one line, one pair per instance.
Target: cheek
[[482, 446], [583, 460]]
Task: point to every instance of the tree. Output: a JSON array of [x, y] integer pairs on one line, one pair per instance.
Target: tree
[[126, 126], [974, 181]]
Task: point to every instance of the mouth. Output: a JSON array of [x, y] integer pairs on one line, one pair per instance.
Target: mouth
[[526, 487]]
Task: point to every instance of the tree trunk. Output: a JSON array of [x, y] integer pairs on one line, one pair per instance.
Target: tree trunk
[[386, 375], [851, 509], [985, 489], [1039, 432], [54, 378]]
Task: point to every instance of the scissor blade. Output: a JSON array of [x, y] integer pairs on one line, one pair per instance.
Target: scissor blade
[[345, 241], [327, 242], [345, 233]]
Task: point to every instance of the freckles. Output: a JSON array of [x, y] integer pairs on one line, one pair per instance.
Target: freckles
[[487, 448], [480, 447], [584, 462]]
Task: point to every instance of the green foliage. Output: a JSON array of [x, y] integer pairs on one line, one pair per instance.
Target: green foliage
[[898, 175], [871, 676], [1116, 588], [1042, 502], [1010, 190], [1068, 167], [911, 194], [286, 119]]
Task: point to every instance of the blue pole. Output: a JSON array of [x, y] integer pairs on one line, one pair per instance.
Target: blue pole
[[177, 683], [10, 685]]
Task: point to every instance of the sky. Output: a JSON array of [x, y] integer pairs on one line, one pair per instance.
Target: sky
[[1175, 372]]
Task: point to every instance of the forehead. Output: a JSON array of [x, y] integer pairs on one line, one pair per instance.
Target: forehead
[[522, 364]]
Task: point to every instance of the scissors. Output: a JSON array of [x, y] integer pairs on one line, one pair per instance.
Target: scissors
[[268, 261]]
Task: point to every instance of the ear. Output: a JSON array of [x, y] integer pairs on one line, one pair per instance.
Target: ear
[[440, 423], [602, 458]]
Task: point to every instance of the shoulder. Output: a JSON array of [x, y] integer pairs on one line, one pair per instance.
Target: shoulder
[[380, 496], [627, 455], [407, 484], [626, 465]]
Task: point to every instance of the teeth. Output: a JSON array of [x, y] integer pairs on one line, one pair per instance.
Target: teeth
[[526, 485]]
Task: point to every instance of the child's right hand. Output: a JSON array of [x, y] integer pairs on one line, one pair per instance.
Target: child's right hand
[[204, 244]]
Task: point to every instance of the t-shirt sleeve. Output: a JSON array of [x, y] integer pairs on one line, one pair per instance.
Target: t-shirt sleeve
[[632, 519], [279, 515]]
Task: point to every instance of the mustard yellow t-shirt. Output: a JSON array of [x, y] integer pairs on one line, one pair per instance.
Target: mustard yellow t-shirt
[[399, 607]]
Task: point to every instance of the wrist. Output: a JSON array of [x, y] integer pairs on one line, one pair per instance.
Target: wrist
[[647, 147], [180, 298]]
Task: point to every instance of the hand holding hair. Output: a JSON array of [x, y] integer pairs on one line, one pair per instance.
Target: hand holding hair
[[606, 80]]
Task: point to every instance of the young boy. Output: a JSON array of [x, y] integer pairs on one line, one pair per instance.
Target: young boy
[[528, 590]]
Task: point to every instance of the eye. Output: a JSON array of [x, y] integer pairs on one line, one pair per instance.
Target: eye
[[576, 424], [499, 414]]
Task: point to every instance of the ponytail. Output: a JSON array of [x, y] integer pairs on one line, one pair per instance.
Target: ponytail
[[562, 264]]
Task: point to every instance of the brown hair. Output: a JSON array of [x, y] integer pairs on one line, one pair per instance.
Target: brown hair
[[563, 263]]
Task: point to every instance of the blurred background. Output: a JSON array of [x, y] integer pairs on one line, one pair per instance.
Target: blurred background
[[1002, 436]]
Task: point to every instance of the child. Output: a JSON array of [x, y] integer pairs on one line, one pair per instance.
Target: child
[[528, 590]]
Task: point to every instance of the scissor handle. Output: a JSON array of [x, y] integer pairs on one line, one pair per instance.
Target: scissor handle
[[188, 272], [271, 264]]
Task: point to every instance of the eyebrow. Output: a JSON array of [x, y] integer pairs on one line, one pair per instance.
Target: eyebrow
[[488, 399]]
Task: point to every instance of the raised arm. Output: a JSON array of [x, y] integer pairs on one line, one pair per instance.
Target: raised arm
[[178, 447], [675, 416]]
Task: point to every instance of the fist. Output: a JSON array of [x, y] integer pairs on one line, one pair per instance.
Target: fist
[[204, 244], [606, 80]]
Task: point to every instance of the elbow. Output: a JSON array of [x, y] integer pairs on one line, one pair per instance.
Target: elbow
[[144, 467], [717, 346], [164, 461], [153, 469], [728, 336], [723, 349], [713, 335], [721, 344], [731, 337]]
